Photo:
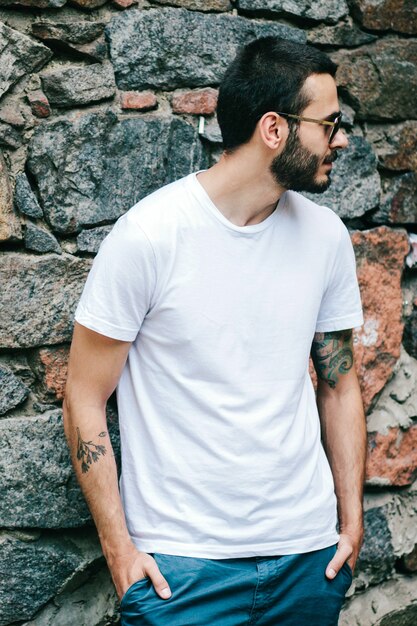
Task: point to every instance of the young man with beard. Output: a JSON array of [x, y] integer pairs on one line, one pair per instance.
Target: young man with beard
[[202, 307]]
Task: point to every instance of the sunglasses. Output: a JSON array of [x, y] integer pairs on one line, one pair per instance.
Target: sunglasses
[[335, 124]]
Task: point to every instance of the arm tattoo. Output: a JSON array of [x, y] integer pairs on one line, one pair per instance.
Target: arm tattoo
[[332, 355], [89, 452]]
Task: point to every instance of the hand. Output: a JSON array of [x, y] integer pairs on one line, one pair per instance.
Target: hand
[[348, 549], [132, 566]]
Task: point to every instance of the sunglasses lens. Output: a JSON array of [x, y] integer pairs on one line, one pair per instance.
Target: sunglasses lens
[[335, 129]]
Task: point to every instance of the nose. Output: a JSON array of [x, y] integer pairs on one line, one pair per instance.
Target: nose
[[340, 140]]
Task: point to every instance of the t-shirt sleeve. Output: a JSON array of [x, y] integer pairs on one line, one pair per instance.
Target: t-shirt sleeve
[[120, 285], [341, 306]]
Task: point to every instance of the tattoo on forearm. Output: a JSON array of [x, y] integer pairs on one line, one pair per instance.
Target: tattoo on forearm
[[89, 452], [332, 355]]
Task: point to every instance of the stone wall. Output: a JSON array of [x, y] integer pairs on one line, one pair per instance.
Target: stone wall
[[101, 103]]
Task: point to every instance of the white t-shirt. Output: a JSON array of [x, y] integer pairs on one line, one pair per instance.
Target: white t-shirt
[[220, 433]]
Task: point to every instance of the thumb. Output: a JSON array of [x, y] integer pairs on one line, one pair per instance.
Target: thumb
[[337, 562], [159, 582]]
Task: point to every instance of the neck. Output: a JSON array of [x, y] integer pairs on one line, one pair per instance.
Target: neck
[[243, 190]]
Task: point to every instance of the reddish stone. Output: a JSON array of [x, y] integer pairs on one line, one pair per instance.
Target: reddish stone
[[122, 4], [54, 369], [39, 104], [393, 457], [399, 15], [138, 100], [380, 255], [197, 101]]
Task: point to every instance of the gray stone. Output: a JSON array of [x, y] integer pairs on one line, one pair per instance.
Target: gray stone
[[38, 484], [12, 390], [410, 334], [321, 10], [92, 169], [10, 227], [382, 602], [24, 198], [380, 80], [355, 187], [38, 298], [19, 55], [342, 34], [198, 5], [376, 558], [212, 131], [74, 32], [41, 4], [153, 48], [88, 599], [40, 239], [398, 15], [84, 40], [34, 567], [77, 85], [90, 240], [10, 137]]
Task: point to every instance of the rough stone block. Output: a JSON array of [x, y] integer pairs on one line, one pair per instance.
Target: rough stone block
[[153, 48], [398, 15], [355, 187], [79, 164], [12, 390], [34, 567], [24, 198], [394, 144], [197, 5], [74, 32], [392, 457], [39, 103], [391, 604], [90, 240], [10, 226], [52, 369], [19, 55], [39, 297], [38, 484], [40, 4], [380, 255], [77, 85], [40, 239], [320, 10], [10, 137], [197, 101], [380, 80], [345, 34], [138, 100]]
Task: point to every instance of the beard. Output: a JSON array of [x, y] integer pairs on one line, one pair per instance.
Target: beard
[[296, 167]]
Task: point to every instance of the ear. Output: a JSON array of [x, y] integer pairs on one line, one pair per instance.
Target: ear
[[273, 130]]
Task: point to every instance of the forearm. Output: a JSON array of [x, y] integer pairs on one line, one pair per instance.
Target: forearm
[[343, 428], [95, 467]]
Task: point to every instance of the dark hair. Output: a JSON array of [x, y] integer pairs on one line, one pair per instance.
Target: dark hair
[[266, 75]]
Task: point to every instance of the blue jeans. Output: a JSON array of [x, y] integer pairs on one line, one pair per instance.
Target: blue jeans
[[288, 590]]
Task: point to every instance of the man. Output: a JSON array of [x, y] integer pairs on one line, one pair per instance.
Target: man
[[201, 308]]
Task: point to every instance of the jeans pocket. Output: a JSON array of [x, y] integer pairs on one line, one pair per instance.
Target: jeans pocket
[[137, 583]]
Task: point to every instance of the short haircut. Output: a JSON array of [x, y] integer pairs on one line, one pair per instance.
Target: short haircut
[[267, 74]]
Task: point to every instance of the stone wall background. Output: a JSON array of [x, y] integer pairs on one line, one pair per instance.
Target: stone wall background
[[101, 103]]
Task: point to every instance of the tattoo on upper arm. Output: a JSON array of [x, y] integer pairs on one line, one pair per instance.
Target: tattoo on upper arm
[[89, 452], [332, 355]]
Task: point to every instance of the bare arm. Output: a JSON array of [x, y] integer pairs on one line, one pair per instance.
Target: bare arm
[[95, 365], [343, 427]]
